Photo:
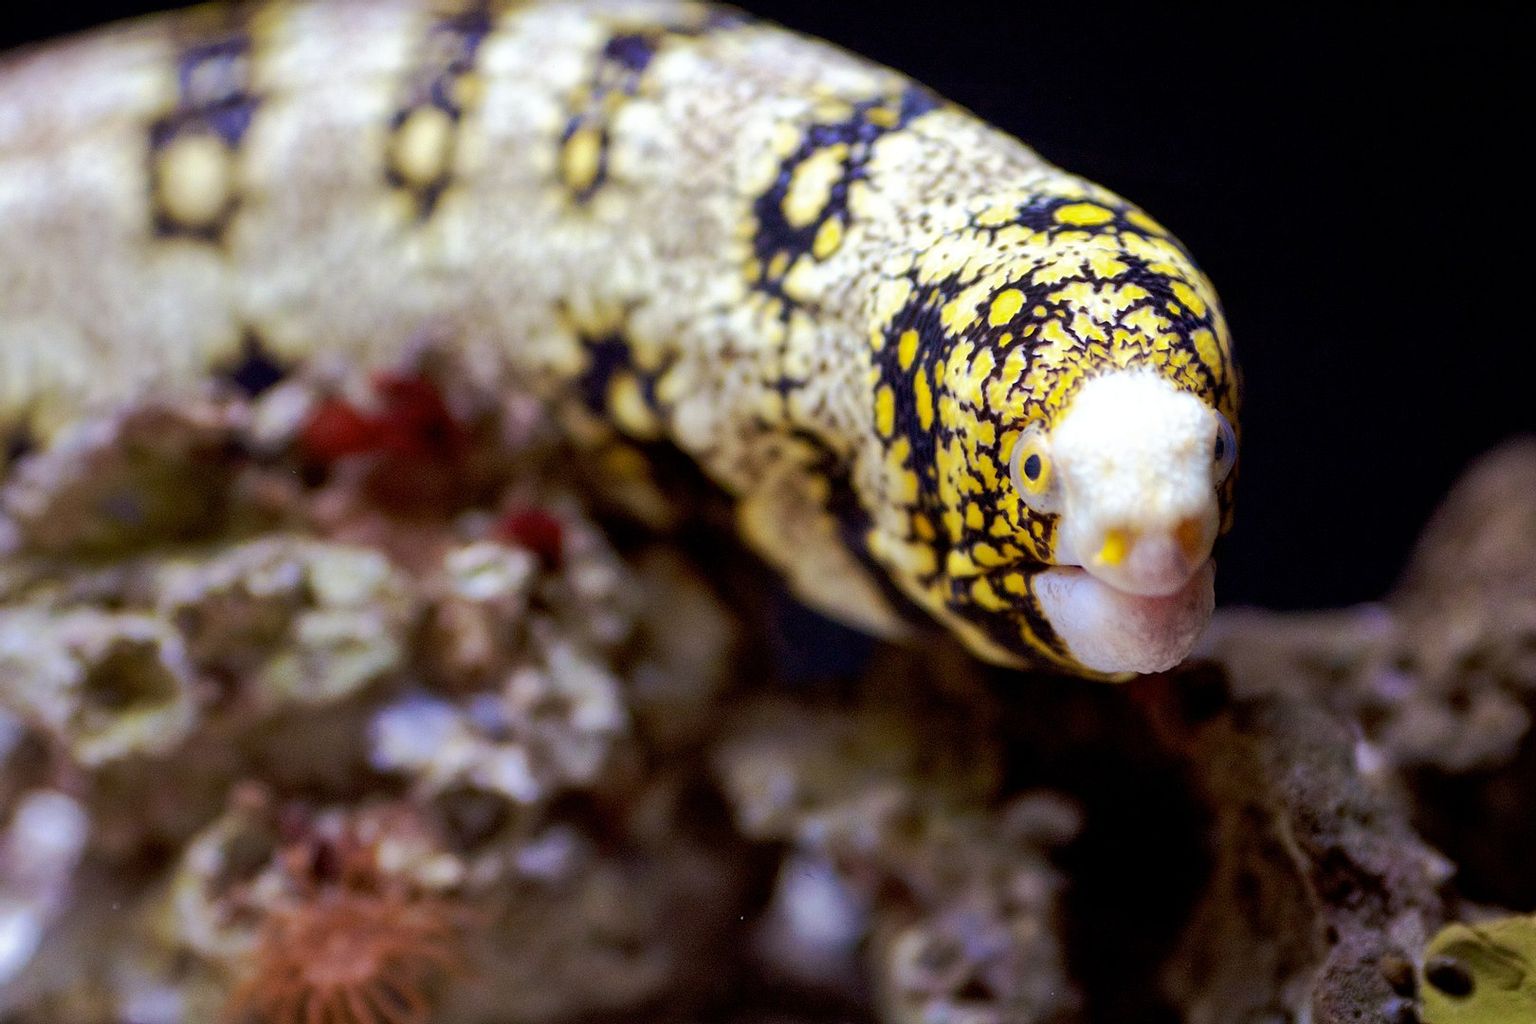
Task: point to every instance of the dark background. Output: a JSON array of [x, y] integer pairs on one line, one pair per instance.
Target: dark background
[[1350, 178]]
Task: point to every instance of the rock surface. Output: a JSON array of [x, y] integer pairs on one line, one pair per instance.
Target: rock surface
[[265, 685]]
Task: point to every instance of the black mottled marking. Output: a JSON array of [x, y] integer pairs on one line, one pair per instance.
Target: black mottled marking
[[620, 69], [620, 65], [786, 385], [1184, 323], [215, 98], [256, 370], [214, 80], [1003, 627], [922, 314], [853, 526], [631, 52], [773, 235], [609, 355], [448, 57], [1038, 213]]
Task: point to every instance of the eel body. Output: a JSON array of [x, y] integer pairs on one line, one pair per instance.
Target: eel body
[[847, 299]]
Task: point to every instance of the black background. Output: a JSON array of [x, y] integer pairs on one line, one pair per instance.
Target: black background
[[1352, 179]]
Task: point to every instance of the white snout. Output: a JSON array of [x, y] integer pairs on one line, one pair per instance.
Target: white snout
[[1158, 561]]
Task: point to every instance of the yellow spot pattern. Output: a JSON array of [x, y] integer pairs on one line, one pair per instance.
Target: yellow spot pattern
[[1023, 305], [196, 181], [804, 269], [579, 159]]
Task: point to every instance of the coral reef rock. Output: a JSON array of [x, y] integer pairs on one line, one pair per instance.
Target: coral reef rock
[[364, 699]]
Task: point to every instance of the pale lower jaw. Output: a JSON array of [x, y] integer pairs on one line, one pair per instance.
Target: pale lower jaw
[[1111, 631]]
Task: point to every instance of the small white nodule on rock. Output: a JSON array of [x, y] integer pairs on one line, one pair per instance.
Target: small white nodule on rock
[[38, 855]]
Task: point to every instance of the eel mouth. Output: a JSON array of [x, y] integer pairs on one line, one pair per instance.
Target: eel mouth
[[1116, 632]]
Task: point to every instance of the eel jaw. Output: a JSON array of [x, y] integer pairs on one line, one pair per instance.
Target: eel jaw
[[1115, 632]]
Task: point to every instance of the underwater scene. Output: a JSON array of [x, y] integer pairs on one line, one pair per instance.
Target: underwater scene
[[645, 511]]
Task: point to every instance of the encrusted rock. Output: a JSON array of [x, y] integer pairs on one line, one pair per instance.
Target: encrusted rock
[[549, 729], [149, 475], [40, 849], [1443, 672], [105, 684], [978, 941], [1320, 886], [282, 692], [299, 621], [960, 901]]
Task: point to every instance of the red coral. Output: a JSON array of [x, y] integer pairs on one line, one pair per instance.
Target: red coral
[[413, 423], [337, 429], [417, 422], [535, 530], [417, 452], [354, 949]]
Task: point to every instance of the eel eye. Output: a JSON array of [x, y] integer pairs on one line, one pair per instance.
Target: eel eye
[[1224, 452], [1030, 467]]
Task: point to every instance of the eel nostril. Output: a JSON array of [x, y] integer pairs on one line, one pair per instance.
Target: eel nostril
[[1190, 534]]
